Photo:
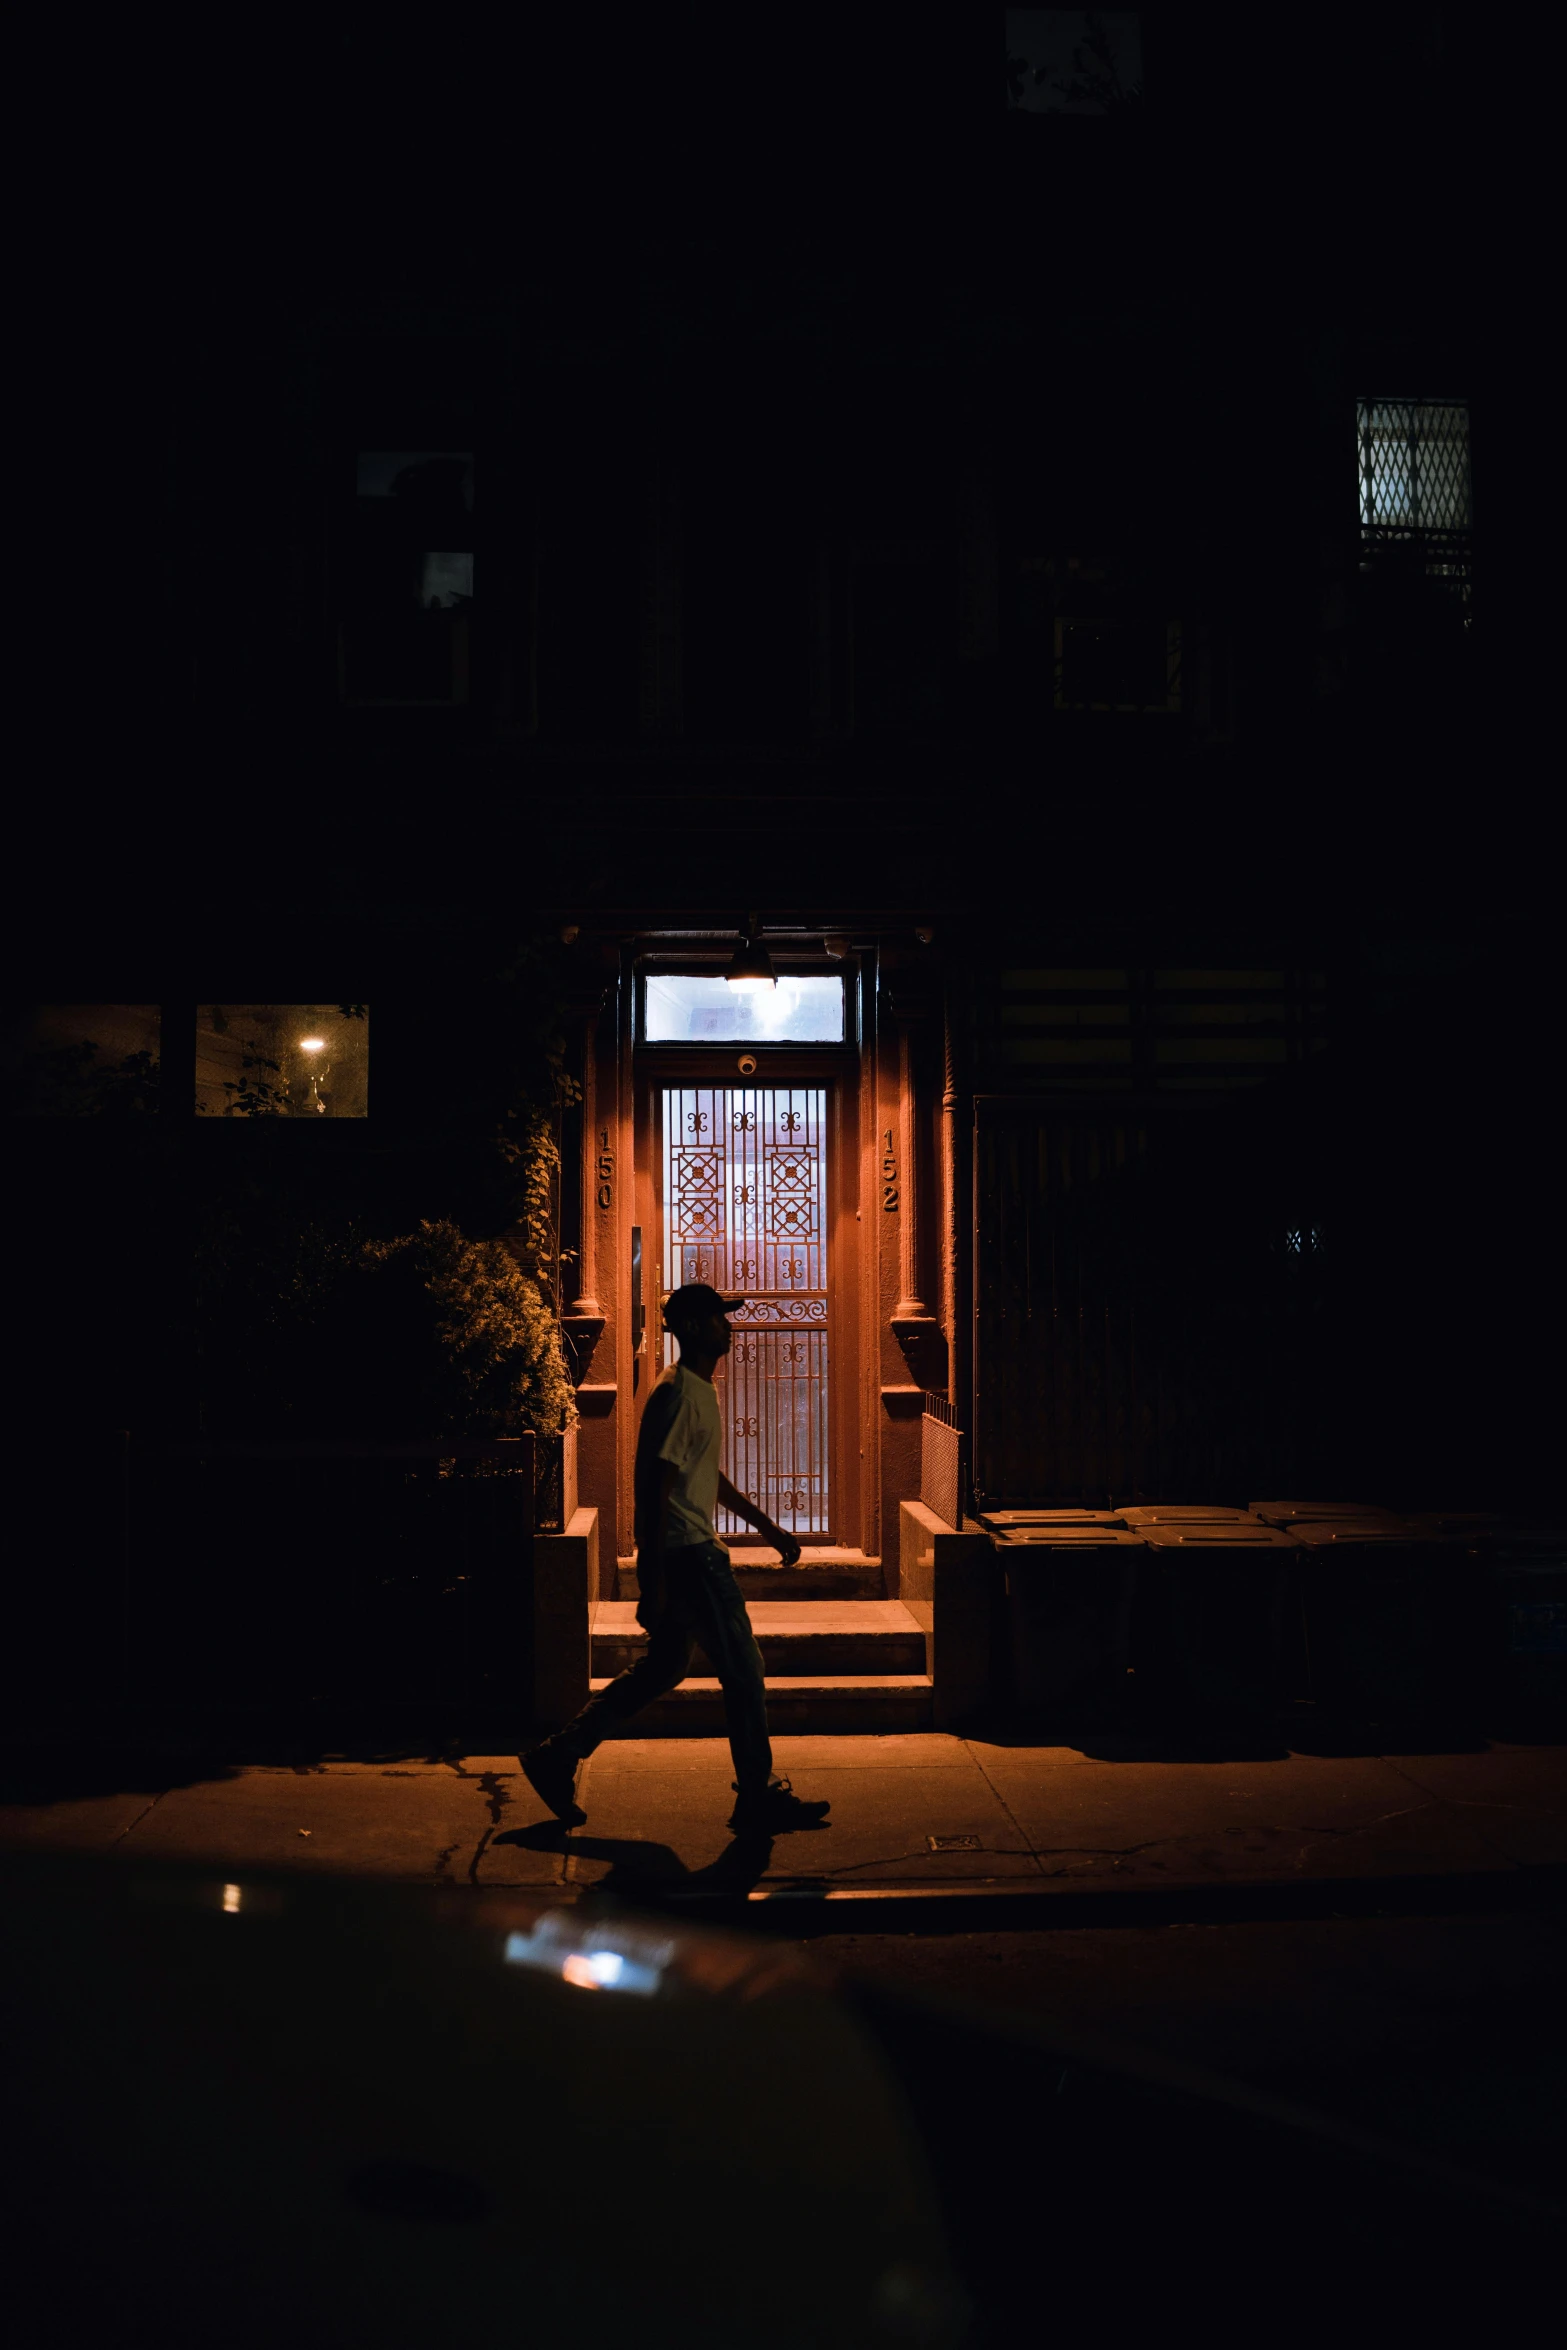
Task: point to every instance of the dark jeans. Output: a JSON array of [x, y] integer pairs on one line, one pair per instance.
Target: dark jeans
[[690, 1598]]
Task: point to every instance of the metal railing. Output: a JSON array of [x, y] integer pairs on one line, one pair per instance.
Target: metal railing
[[941, 1460]]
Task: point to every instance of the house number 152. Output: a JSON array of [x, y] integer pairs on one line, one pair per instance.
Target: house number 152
[[889, 1175]]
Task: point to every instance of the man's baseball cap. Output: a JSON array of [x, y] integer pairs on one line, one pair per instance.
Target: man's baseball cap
[[695, 1302]]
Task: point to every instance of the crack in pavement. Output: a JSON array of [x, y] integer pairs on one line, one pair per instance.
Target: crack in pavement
[[1527, 1811], [495, 1795], [496, 1801], [886, 1860], [151, 1804], [1117, 1852], [1472, 1803], [996, 1792], [1100, 1851]]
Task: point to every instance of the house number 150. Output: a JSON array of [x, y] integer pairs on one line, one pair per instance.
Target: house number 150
[[606, 1167]]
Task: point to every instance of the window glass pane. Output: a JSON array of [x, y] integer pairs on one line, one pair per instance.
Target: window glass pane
[[81, 1060], [423, 481], [1073, 60], [688, 1010], [1414, 465], [409, 577], [283, 1060]]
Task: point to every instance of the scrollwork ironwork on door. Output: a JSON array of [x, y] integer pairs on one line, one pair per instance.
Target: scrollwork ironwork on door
[[745, 1207]]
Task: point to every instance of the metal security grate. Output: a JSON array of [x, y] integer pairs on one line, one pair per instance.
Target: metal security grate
[[941, 1460], [1414, 486], [745, 1208]]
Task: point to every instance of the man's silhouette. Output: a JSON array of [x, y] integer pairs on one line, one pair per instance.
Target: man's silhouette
[[689, 1593]]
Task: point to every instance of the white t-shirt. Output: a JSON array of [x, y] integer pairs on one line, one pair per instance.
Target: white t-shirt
[[681, 1425]]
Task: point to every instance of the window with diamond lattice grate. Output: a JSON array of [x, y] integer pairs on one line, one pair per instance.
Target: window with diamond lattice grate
[[1415, 500], [744, 1173]]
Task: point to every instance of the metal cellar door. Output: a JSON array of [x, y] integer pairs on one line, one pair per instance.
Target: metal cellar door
[[743, 1174]]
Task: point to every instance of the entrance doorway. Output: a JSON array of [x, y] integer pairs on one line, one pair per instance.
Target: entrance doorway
[[744, 1195]]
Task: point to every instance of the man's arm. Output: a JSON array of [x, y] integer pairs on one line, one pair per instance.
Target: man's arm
[[731, 1498], [652, 1515]]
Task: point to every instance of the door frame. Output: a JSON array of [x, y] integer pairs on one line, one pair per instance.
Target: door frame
[[837, 1070]]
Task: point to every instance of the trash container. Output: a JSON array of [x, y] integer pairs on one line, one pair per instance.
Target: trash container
[[1395, 1620], [1293, 1513], [1070, 1592], [1207, 1634], [1187, 1513], [1523, 1570], [1010, 1521]]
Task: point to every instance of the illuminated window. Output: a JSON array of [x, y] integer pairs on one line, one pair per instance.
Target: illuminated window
[[681, 1009], [1414, 487], [283, 1061]]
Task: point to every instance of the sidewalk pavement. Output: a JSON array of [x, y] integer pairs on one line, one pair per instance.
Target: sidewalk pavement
[[911, 1815]]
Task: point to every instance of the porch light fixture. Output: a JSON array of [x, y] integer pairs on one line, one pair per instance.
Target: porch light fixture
[[312, 1044], [752, 965]]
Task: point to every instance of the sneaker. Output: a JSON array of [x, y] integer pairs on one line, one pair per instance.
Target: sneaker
[[776, 1809], [554, 1777]]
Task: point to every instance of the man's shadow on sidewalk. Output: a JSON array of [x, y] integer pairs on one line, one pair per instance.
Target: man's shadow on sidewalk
[[644, 1871]]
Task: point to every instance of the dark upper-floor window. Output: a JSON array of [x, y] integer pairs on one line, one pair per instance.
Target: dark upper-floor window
[[1106, 635], [1073, 60], [1415, 505], [409, 583]]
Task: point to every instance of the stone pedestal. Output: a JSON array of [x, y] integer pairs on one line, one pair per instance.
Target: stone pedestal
[[947, 1581], [565, 1589]]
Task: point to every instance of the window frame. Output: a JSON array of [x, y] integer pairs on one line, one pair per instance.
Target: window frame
[[768, 1051]]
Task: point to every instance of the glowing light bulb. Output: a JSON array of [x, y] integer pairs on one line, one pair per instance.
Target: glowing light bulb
[[312, 1044]]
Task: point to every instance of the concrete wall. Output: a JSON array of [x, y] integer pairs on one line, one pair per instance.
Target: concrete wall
[[565, 1587], [947, 1580]]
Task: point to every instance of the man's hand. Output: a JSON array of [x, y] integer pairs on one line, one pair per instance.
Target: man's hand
[[787, 1547], [760, 1523]]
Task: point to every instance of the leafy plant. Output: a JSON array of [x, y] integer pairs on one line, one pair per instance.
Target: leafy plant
[[479, 1342], [325, 1333], [70, 1081]]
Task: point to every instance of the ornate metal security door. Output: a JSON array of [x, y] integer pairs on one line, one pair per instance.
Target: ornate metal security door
[[744, 1173]]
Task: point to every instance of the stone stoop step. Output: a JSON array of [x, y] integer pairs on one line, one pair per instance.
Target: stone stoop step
[[834, 1575], [832, 1666]]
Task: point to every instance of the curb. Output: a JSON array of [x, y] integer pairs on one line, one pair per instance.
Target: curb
[[1006, 1907]]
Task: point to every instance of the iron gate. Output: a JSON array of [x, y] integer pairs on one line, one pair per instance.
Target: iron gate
[[744, 1204]]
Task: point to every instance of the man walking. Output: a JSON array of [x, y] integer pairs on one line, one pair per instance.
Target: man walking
[[689, 1593]]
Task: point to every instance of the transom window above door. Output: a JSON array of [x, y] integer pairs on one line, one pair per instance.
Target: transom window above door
[[705, 1008]]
